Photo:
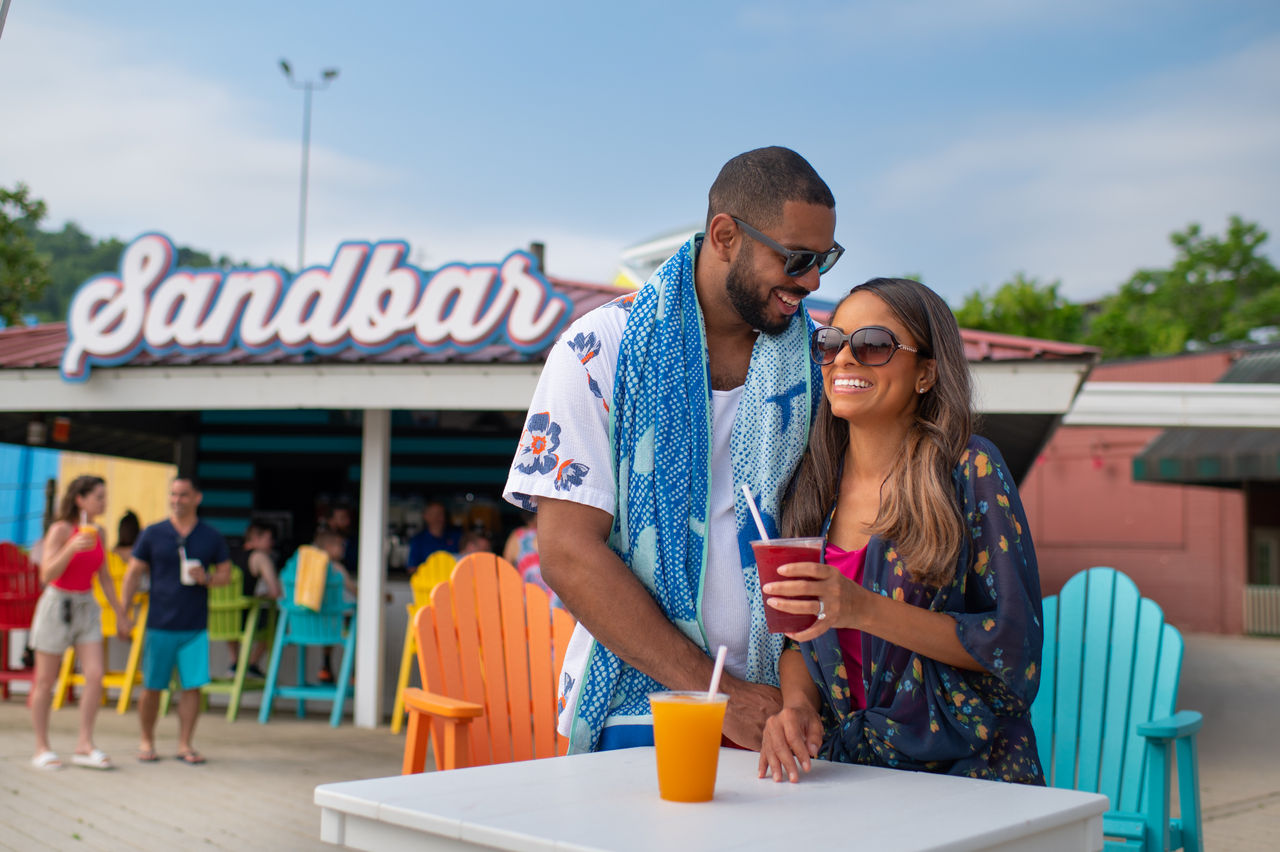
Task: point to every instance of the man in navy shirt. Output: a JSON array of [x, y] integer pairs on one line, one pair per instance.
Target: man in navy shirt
[[436, 535], [184, 556]]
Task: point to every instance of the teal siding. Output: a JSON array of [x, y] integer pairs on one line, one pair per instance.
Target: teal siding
[[221, 499], [224, 470]]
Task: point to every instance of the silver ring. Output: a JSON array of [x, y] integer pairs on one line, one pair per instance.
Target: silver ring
[[822, 609]]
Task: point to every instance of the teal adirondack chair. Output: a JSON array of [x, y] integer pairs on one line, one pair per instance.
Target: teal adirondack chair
[[305, 628], [1104, 717]]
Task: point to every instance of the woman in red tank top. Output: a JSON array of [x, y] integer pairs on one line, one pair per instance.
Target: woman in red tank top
[[67, 615]]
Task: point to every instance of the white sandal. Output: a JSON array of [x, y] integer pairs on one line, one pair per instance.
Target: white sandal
[[96, 759], [46, 760]]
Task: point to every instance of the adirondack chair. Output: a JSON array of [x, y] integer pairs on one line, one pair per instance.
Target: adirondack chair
[[1104, 717], [234, 616], [126, 679], [19, 591], [489, 652], [431, 573], [303, 628]]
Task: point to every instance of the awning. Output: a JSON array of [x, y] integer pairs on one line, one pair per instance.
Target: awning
[[1224, 457]]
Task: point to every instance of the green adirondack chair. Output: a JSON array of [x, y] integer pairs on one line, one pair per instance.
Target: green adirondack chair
[[228, 608], [1104, 717]]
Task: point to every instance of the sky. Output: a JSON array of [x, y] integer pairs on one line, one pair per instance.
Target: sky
[[964, 142]]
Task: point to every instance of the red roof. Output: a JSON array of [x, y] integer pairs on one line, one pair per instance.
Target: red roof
[[41, 346]]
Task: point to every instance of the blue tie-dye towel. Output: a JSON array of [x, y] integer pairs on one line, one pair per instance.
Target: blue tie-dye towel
[[660, 429]]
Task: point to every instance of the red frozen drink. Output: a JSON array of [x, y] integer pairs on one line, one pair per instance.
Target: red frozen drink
[[772, 554]]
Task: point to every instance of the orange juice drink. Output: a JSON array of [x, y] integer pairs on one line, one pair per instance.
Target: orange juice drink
[[686, 735], [88, 529]]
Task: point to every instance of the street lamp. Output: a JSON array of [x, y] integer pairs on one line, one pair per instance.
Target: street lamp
[[326, 76]]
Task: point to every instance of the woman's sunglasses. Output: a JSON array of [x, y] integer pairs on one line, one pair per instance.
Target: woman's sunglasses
[[871, 346], [796, 262]]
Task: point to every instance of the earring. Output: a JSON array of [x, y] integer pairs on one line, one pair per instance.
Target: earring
[[922, 390]]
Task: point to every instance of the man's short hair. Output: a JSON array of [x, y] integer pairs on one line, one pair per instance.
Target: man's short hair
[[754, 186], [190, 480]]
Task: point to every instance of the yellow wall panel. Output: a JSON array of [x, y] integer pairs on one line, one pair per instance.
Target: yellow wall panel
[[138, 485]]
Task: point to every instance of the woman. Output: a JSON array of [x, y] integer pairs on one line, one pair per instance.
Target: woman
[[930, 578], [67, 615]]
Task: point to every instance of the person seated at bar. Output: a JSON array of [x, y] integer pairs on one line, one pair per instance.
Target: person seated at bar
[[334, 545], [258, 577], [925, 654], [436, 534], [475, 541]]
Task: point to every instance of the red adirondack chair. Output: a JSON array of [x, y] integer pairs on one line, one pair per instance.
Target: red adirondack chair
[[19, 590]]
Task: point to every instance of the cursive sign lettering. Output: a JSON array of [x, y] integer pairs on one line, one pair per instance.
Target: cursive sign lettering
[[368, 299]]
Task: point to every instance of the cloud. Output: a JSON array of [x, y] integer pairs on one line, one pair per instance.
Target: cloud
[[1090, 196]]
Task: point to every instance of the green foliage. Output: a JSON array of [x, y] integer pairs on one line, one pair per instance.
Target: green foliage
[[74, 257], [1023, 306], [1219, 290], [23, 273]]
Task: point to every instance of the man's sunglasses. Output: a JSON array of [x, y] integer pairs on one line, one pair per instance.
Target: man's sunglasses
[[796, 262], [871, 346]]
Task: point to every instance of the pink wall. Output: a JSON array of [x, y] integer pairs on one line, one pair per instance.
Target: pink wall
[[1184, 546]]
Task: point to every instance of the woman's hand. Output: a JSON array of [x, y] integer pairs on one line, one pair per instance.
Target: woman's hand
[[124, 625], [840, 600], [81, 542], [791, 737]]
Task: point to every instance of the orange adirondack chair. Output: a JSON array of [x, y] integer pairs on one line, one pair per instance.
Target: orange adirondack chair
[[489, 652]]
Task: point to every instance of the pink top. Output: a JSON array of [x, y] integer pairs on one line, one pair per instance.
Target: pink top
[[78, 576], [850, 564]]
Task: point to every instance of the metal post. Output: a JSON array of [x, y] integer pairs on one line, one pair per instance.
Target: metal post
[[307, 86], [306, 158]]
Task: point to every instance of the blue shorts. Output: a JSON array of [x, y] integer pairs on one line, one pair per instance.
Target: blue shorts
[[187, 650]]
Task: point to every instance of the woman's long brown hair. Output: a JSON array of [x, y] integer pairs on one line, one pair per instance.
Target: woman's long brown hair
[[918, 511], [79, 487]]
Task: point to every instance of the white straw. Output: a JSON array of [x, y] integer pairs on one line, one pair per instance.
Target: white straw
[[755, 512], [717, 671]]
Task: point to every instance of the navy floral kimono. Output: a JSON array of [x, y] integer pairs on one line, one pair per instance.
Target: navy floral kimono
[[925, 715]]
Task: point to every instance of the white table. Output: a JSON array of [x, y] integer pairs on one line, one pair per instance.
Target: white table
[[609, 800]]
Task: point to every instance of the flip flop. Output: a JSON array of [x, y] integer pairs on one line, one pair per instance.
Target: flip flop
[[47, 761], [147, 755], [191, 758], [96, 759]]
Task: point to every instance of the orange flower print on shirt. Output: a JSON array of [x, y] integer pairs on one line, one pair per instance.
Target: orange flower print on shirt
[[983, 462]]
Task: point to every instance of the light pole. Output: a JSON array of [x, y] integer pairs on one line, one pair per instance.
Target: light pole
[[307, 87]]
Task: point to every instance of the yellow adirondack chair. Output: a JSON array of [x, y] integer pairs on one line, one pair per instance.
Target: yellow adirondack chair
[[126, 679], [431, 573]]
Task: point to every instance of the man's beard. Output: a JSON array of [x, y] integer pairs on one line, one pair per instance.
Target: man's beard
[[753, 308]]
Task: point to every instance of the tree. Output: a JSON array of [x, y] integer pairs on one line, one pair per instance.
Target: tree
[[1219, 290], [1023, 306], [23, 272]]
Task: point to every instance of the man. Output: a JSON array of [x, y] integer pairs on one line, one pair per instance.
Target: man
[[651, 413], [341, 522], [435, 535], [184, 556]]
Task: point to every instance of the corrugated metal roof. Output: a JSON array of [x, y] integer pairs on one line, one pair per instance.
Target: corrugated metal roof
[[40, 346]]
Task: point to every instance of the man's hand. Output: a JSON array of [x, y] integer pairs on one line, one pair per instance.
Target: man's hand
[[750, 706], [792, 737], [124, 626]]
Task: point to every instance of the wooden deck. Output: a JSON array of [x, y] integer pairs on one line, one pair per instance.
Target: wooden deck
[[254, 793]]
